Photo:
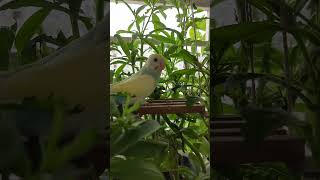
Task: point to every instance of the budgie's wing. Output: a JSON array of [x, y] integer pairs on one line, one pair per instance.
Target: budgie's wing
[[138, 86]]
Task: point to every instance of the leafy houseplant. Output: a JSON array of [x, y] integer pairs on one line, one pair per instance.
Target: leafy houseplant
[[176, 145], [283, 78], [37, 148]]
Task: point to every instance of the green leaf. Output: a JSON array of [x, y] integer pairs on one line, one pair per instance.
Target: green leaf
[[179, 34], [123, 45], [253, 32], [132, 136], [35, 3], [172, 49], [146, 149], [124, 32], [130, 26], [44, 4], [82, 144], [181, 72], [139, 20], [30, 27], [119, 70], [140, 9], [191, 133], [162, 39], [192, 100], [155, 18], [150, 43], [156, 22], [186, 56], [134, 169]]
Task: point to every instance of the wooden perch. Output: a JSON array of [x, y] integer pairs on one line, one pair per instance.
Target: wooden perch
[[174, 106]]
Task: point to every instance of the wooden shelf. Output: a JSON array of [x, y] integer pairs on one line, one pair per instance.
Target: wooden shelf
[[228, 147], [171, 106]]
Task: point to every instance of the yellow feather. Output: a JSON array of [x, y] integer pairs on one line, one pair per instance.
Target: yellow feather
[[140, 86]]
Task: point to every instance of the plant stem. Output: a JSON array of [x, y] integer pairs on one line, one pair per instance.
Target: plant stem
[[74, 6], [250, 53], [99, 10], [195, 44], [176, 129], [283, 20]]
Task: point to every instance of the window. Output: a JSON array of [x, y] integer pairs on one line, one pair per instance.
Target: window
[[121, 18]]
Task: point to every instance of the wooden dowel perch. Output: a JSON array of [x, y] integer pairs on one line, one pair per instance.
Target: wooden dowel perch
[[174, 106]]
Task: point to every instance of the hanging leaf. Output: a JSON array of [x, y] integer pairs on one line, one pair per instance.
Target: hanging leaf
[[35, 3], [123, 45], [119, 70], [186, 56], [44, 4], [146, 149], [140, 9], [192, 100], [132, 136], [156, 22], [172, 49], [134, 169], [254, 32], [30, 27], [179, 73], [150, 43], [163, 39]]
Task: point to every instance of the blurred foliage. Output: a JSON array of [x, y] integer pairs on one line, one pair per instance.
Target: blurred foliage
[[266, 65], [174, 146], [33, 145]]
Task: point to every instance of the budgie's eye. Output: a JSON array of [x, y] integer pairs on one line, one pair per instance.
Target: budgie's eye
[[155, 59]]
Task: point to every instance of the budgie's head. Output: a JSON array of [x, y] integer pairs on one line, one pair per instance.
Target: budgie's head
[[155, 63]]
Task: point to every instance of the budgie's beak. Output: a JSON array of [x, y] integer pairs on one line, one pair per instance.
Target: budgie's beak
[[161, 66]]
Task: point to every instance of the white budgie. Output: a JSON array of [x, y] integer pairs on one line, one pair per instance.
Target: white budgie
[[76, 72], [143, 83]]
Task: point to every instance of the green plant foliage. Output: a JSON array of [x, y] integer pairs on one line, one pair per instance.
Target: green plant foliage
[[265, 79], [32, 139], [177, 145]]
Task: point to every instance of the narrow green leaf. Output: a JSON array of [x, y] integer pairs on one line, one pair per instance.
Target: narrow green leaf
[[146, 149], [181, 72], [134, 169], [150, 43], [140, 8], [44, 4], [254, 32], [119, 70], [123, 45], [162, 39], [132, 136], [30, 27], [186, 56]]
